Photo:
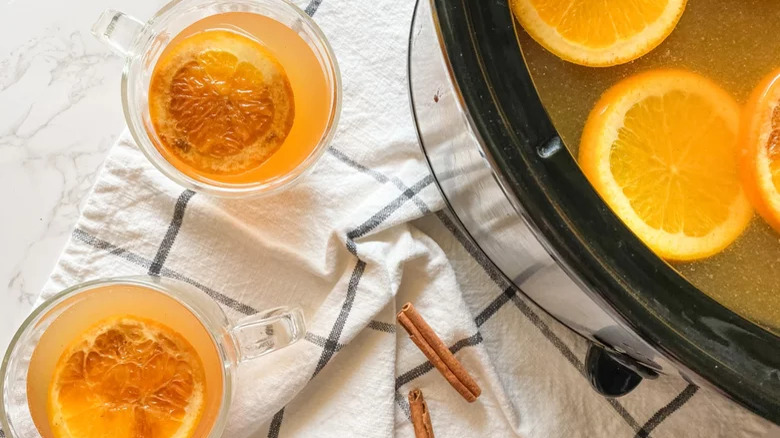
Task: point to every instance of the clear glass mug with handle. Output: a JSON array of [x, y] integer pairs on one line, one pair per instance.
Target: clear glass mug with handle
[[31, 359], [142, 44]]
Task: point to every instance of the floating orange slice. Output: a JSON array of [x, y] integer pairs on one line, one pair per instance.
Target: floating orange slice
[[125, 378], [661, 149], [599, 33], [220, 102], [760, 149]]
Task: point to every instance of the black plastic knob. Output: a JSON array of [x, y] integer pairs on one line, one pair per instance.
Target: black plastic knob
[[609, 376]]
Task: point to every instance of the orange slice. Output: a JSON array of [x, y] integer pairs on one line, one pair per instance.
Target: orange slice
[[127, 377], [661, 148], [760, 149], [220, 102], [599, 33]]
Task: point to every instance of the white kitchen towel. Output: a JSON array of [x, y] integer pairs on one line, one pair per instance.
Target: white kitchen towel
[[358, 237]]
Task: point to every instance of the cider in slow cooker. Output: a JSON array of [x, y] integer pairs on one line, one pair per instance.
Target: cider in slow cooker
[[666, 104]]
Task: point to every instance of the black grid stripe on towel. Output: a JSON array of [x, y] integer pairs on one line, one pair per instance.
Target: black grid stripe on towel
[[510, 293], [331, 345], [276, 423], [667, 410], [173, 231]]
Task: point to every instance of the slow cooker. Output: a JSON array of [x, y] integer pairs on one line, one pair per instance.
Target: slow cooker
[[519, 194]]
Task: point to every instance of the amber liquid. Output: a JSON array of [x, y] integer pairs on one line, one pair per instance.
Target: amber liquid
[[112, 301], [735, 43], [312, 94]]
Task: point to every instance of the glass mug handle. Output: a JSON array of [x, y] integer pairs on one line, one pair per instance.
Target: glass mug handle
[[117, 30], [264, 332]]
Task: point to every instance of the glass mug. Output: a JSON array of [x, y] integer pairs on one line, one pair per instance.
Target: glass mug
[[142, 44], [29, 364]]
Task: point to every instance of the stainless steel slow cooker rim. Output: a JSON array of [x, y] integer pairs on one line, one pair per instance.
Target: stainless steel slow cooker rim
[[453, 216], [488, 160]]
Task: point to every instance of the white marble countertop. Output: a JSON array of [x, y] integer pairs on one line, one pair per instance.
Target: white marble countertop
[[60, 112]]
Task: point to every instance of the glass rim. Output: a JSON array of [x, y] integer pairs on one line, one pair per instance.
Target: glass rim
[[230, 190], [140, 280]]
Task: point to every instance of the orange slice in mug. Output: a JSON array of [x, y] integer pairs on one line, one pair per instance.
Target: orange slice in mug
[[220, 102], [760, 149], [127, 377], [661, 148], [599, 33]]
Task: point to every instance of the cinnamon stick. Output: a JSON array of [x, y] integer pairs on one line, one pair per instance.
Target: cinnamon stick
[[421, 418], [437, 352]]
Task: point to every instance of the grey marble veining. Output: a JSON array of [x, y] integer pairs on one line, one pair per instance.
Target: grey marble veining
[[60, 112]]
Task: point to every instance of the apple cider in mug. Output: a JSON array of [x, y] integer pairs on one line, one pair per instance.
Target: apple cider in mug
[[237, 98], [133, 357], [149, 370]]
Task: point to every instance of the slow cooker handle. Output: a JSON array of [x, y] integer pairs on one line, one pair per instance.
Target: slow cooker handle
[[613, 375]]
